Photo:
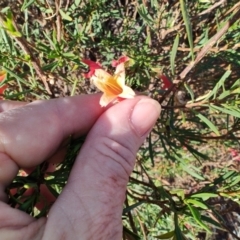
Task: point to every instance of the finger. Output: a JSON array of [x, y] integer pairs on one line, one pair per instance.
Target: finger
[[7, 105], [97, 183], [32, 133]]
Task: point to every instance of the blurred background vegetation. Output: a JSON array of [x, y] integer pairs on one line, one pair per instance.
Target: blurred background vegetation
[[185, 184]]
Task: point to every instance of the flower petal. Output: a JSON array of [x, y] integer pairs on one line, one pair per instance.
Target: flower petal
[[127, 93], [105, 82], [106, 99], [120, 74], [2, 75], [3, 88], [166, 82], [92, 67], [122, 59]]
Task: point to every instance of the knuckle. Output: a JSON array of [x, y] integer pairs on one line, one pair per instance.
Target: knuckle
[[121, 154]]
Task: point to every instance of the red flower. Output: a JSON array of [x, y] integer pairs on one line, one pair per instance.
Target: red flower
[[166, 82], [2, 89], [112, 85], [92, 67], [122, 59]]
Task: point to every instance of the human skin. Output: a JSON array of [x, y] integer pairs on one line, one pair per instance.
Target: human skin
[[90, 205]]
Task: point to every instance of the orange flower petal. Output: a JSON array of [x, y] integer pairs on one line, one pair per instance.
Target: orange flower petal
[[2, 75], [106, 99], [112, 86]]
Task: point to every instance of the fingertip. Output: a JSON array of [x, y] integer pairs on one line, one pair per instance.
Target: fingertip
[[144, 115]]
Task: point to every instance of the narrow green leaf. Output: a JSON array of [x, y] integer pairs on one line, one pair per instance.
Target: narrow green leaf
[[65, 16], [190, 91], [191, 172], [174, 53], [178, 233], [166, 235], [204, 196], [232, 112], [225, 176], [197, 203], [211, 221], [234, 182], [197, 216], [52, 190], [187, 25], [142, 10], [28, 204], [208, 123], [26, 4], [9, 26], [224, 94], [219, 84], [150, 147], [74, 87], [128, 209]]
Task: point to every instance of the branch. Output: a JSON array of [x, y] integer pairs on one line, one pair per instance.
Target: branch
[[209, 45]]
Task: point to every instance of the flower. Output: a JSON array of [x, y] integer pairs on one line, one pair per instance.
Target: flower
[[2, 89], [166, 82], [112, 86], [92, 67], [122, 59]]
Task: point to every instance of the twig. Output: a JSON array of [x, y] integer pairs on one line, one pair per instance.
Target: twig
[[22, 42], [203, 52], [218, 3], [223, 137], [58, 19], [210, 44]]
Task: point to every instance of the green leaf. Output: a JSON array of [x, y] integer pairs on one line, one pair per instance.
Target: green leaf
[[174, 53], [231, 112], [196, 203], [197, 216], [142, 10], [65, 16], [26, 4], [52, 190], [190, 91], [178, 233], [128, 209], [224, 94], [207, 122], [211, 221], [187, 25], [204, 196], [219, 84], [234, 182], [9, 26], [191, 172], [166, 235]]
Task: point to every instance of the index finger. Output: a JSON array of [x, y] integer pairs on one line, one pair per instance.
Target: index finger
[[30, 134]]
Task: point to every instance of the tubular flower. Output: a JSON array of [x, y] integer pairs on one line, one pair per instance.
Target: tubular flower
[[112, 86], [2, 89], [166, 82]]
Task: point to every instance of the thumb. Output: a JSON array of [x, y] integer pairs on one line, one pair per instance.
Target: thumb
[[97, 184], [113, 142]]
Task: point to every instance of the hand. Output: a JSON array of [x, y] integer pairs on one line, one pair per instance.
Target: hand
[[90, 205]]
